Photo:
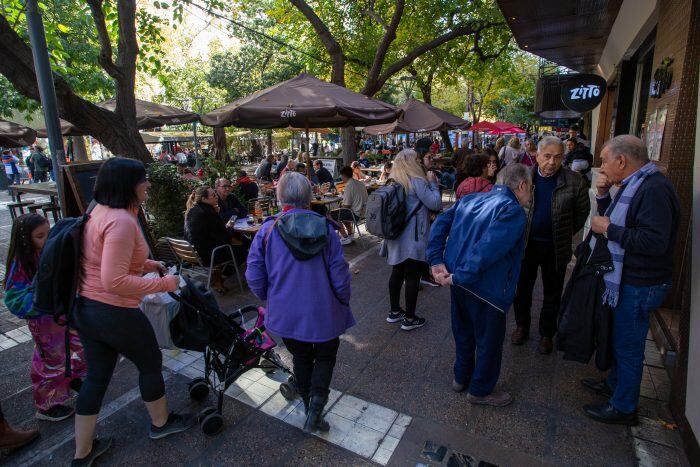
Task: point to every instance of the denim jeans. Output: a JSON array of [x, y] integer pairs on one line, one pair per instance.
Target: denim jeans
[[479, 330], [630, 328]]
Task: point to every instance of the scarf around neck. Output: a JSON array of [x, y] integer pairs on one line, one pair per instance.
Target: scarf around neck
[[617, 212]]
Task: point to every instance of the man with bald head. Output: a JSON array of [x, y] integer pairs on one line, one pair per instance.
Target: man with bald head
[[559, 207], [639, 227]]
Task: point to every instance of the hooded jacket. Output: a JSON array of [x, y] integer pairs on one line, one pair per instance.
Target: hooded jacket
[[307, 294], [480, 240]]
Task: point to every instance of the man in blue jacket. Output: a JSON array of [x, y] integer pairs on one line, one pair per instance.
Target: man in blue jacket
[[477, 247]]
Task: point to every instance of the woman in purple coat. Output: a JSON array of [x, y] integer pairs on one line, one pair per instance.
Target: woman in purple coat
[[296, 264]]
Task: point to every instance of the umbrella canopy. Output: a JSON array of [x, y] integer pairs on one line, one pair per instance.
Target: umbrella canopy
[[483, 126], [419, 117], [14, 135], [148, 115], [302, 102]]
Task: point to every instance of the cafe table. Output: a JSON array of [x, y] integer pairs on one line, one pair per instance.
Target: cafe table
[[326, 200], [44, 189], [242, 226]]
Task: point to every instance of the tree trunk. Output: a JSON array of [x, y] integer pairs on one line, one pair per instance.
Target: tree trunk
[[269, 142], [79, 149], [446, 138], [220, 152], [347, 140]]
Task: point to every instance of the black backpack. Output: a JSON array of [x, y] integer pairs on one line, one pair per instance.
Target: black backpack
[[386, 214], [58, 272]]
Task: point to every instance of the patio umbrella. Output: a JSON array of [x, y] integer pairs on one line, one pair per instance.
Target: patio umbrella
[[14, 135], [302, 102], [419, 117], [483, 126], [148, 115]]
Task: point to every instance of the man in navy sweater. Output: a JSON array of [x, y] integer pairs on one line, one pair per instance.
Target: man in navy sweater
[[558, 210], [640, 225]]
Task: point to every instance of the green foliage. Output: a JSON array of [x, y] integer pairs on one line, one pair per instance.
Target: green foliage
[[215, 169], [167, 198], [74, 48], [250, 69]]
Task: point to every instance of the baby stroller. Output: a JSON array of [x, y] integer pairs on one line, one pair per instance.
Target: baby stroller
[[230, 346]]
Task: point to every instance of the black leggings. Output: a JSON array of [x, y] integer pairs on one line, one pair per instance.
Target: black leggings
[[107, 331], [313, 365], [410, 272]]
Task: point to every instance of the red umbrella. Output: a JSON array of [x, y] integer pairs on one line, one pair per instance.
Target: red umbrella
[[483, 126], [508, 131]]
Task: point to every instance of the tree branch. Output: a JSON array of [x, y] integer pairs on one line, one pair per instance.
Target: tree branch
[[476, 48], [329, 42], [373, 14], [400, 64], [105, 57], [383, 47]]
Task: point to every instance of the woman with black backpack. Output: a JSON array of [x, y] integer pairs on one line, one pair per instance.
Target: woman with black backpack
[[406, 253]]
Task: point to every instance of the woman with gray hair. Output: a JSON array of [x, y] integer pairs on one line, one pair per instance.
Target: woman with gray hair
[[296, 265]]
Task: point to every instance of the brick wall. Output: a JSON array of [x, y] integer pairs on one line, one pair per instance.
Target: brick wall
[[678, 37], [675, 29]]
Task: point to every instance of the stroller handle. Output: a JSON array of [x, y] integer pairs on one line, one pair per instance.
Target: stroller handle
[[255, 333]]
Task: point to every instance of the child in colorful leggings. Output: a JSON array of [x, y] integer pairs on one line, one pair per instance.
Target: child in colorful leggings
[[50, 385]]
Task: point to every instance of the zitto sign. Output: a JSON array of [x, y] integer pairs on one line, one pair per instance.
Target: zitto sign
[[582, 93]]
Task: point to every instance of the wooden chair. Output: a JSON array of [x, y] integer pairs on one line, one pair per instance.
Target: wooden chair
[[17, 209], [53, 209], [189, 260]]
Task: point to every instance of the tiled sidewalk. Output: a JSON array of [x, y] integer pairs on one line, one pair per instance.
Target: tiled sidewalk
[[365, 428]]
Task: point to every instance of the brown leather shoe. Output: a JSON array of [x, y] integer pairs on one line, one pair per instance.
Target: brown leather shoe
[[546, 345], [495, 399], [519, 336], [13, 439]]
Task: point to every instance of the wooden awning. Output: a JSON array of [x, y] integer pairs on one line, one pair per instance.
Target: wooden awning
[[571, 33]]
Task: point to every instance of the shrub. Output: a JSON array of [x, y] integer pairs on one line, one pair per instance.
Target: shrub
[[166, 199]]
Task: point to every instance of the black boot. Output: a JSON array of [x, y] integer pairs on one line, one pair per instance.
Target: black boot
[[314, 418], [305, 398]]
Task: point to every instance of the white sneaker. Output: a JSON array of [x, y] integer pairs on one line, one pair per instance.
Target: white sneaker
[[345, 240]]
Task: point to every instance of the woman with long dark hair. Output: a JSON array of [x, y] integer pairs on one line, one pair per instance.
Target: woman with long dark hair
[[50, 386], [108, 318]]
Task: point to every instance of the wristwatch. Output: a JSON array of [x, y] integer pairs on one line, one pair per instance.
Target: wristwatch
[[605, 234]]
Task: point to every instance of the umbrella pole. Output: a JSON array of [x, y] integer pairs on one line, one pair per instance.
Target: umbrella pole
[[308, 153]]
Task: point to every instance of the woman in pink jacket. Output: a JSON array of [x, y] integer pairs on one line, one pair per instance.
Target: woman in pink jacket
[[108, 319], [476, 168]]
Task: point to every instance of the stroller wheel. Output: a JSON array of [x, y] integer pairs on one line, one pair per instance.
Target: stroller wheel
[[212, 424], [288, 391], [205, 412], [199, 390]]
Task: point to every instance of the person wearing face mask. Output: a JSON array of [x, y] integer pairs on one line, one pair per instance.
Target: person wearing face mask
[[558, 209], [476, 247]]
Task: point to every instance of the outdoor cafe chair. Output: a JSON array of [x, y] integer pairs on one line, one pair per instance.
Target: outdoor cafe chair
[[190, 261], [356, 222]]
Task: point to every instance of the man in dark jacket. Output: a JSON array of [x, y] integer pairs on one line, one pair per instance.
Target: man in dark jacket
[[264, 170], [323, 174], [640, 224], [249, 189], [558, 210], [229, 205]]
